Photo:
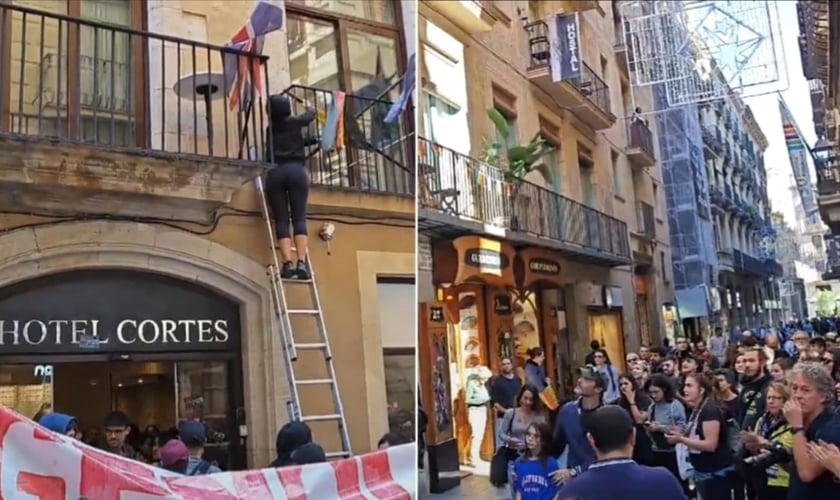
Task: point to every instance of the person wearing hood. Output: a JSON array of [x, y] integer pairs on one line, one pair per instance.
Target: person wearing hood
[[61, 423], [309, 453], [291, 436], [287, 183]]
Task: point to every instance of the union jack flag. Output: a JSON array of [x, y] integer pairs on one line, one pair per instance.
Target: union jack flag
[[242, 73]]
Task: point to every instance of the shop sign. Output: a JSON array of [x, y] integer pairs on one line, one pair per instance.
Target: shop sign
[[116, 312], [89, 333], [544, 266], [539, 265], [483, 259], [489, 261]]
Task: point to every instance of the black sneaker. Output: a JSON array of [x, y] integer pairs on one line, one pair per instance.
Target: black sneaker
[[289, 271], [303, 270]]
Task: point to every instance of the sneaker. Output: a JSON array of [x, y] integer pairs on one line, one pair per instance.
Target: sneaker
[[289, 271], [303, 270]]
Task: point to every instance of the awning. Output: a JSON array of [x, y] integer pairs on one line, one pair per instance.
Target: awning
[[692, 303]]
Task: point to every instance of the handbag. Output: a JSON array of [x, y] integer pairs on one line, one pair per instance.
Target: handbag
[[499, 463]]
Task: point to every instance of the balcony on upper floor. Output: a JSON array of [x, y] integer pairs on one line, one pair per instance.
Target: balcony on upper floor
[[726, 258], [377, 157], [458, 195], [584, 94], [828, 189], [472, 16], [645, 221], [760, 268], [102, 120], [97, 119], [640, 149]]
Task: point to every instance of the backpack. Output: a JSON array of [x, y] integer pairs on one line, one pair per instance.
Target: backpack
[[201, 468]]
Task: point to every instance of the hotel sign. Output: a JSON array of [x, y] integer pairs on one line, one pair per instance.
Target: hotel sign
[[117, 312]]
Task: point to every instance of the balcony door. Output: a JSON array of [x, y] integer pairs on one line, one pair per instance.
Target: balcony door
[[71, 80]]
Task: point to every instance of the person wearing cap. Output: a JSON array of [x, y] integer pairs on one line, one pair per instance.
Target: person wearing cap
[[194, 436], [569, 425], [174, 456], [612, 434], [309, 453]]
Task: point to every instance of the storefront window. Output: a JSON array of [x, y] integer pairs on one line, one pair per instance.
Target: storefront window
[[27, 389], [381, 11], [526, 327], [399, 389]]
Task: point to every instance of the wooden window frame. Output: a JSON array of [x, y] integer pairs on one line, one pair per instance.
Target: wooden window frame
[[342, 23], [139, 22]]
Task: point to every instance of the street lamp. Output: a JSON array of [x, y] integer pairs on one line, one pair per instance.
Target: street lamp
[[823, 153]]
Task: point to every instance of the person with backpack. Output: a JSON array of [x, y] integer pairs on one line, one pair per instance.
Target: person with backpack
[[194, 436]]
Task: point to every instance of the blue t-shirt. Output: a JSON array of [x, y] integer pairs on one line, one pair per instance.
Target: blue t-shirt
[[623, 479], [533, 479], [825, 427]]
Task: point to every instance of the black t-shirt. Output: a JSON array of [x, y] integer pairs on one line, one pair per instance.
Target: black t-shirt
[[721, 458], [503, 390], [827, 428]]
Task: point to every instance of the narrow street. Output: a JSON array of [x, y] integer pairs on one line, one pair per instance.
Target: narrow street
[[471, 487]]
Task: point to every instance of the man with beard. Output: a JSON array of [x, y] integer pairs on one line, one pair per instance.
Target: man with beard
[[570, 426], [503, 390], [657, 354], [754, 383]]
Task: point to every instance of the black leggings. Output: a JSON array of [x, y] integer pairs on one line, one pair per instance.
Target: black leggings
[[287, 190]]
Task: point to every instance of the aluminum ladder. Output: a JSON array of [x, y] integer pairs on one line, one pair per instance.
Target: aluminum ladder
[[291, 346]]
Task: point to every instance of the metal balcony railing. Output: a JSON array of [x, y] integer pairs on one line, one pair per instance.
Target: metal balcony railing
[[589, 83], [80, 81], [376, 157], [828, 176], [469, 189], [645, 219], [639, 136]]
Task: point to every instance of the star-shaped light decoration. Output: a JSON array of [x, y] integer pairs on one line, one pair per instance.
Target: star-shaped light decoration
[[729, 41]]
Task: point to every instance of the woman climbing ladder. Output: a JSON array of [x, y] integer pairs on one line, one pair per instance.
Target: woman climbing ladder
[[287, 183]]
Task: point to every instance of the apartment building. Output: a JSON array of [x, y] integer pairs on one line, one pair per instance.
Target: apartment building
[[133, 249], [734, 148], [512, 259], [817, 42]]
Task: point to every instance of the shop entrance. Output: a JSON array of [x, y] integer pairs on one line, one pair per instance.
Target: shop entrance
[[605, 327], [155, 394]]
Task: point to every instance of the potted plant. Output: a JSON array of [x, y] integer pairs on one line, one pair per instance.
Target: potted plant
[[515, 161]]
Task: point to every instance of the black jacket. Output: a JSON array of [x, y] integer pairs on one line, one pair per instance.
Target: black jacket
[[285, 140]]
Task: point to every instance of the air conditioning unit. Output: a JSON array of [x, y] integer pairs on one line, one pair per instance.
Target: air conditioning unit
[[94, 85]]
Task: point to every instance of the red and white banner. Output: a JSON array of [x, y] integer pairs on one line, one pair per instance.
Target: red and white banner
[[37, 464]]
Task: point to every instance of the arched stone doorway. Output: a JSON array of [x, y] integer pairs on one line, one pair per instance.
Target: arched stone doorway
[[39, 251]]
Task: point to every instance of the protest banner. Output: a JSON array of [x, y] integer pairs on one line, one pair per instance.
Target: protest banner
[[36, 463]]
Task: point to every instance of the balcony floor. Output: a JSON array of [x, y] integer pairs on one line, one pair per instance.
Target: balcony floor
[[438, 225], [54, 177]]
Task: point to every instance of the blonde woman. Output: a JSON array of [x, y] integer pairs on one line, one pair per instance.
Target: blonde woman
[[771, 439]]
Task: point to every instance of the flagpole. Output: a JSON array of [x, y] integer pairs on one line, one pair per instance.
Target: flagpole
[[244, 134]]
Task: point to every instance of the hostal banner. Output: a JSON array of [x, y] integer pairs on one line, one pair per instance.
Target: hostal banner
[[564, 35], [798, 160]]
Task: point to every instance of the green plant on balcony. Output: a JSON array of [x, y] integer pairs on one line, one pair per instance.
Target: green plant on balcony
[[516, 161]]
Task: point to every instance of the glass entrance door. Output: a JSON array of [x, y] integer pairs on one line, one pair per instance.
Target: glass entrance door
[[27, 389], [202, 394]]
